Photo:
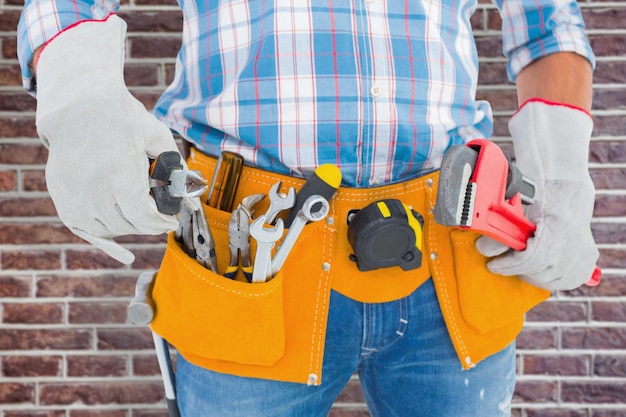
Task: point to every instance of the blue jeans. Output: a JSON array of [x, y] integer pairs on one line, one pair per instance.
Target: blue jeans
[[404, 358]]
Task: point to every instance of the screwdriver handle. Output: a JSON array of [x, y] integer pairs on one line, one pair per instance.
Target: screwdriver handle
[[324, 182]]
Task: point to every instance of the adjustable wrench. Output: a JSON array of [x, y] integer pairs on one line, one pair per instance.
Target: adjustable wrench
[[315, 208], [266, 238]]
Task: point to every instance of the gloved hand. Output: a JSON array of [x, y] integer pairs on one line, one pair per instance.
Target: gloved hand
[[99, 138], [551, 143]]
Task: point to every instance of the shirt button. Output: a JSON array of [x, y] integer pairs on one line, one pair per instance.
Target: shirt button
[[376, 90]]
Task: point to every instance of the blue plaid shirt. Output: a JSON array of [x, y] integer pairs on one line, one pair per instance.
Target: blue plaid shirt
[[379, 87]]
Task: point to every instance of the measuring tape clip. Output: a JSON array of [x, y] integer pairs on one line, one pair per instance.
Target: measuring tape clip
[[386, 233]]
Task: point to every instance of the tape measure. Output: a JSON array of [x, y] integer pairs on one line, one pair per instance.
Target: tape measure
[[386, 233]]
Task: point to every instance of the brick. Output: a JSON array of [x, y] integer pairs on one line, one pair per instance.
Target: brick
[[27, 207], [97, 366], [9, 19], [148, 259], [9, 48], [145, 365], [90, 259], [15, 393], [609, 178], [21, 154], [560, 412], [492, 73], [97, 313], [34, 181], [610, 366], [610, 72], [535, 392], [32, 313], [151, 47], [592, 392], [608, 45], [578, 365], [558, 311], [124, 339], [489, 47], [611, 286], [17, 102], [10, 75], [506, 100], [15, 286], [96, 393], [13, 127], [609, 232], [102, 413], [603, 412], [610, 206], [170, 71], [32, 339], [349, 412], [103, 285], [609, 99], [33, 233], [352, 393], [604, 18], [607, 151], [608, 125], [154, 21], [141, 75], [612, 258], [608, 311], [32, 413], [23, 259], [8, 180], [150, 413], [536, 339], [31, 366], [594, 338]]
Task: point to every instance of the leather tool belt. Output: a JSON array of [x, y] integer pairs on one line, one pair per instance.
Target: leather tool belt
[[276, 330]]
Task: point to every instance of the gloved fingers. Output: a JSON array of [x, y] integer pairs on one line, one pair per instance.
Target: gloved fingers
[[143, 215], [109, 246], [157, 137], [489, 247]]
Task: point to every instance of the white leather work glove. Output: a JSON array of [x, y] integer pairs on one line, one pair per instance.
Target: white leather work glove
[[99, 138], [551, 144]]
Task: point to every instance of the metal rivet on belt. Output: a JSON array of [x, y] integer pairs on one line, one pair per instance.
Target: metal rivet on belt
[[312, 379], [326, 266], [429, 182], [433, 256], [330, 220]]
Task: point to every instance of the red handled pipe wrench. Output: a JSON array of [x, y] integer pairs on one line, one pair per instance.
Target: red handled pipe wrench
[[480, 190]]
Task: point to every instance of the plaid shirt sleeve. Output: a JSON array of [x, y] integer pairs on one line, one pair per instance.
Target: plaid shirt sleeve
[[532, 29], [41, 20]]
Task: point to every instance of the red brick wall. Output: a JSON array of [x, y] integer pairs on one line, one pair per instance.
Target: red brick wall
[[67, 350]]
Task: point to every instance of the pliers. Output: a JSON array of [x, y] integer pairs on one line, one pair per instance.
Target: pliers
[[203, 242], [239, 244]]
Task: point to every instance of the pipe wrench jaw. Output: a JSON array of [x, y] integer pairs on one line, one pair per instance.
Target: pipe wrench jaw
[[472, 194]]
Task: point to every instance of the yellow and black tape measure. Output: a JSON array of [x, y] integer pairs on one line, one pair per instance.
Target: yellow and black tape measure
[[386, 233]]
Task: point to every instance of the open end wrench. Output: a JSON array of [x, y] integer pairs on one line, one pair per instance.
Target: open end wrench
[[279, 202], [266, 237], [315, 208]]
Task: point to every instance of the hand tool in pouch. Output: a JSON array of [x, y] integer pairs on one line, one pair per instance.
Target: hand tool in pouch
[[323, 182], [480, 190], [386, 233], [225, 181], [141, 312], [170, 182]]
